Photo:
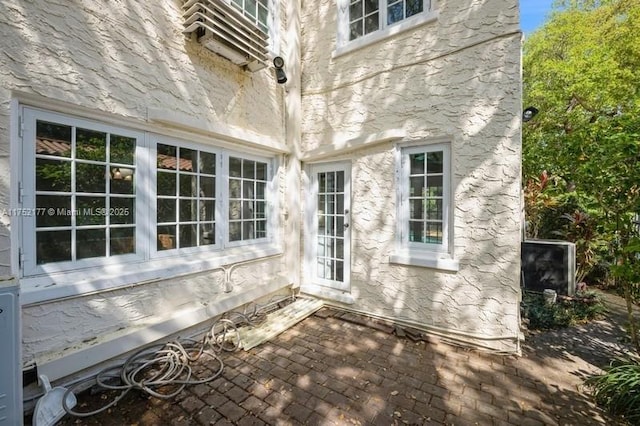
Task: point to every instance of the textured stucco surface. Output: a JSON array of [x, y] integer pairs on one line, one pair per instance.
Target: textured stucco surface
[[456, 79], [56, 328], [122, 58]]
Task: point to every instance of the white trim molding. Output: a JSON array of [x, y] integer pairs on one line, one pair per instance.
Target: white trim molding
[[340, 146]]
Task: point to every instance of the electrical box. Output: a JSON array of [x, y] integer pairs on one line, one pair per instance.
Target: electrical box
[[549, 264], [10, 362]]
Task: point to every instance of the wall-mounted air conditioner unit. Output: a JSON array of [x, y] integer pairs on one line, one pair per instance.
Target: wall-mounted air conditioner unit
[[549, 264], [222, 28]]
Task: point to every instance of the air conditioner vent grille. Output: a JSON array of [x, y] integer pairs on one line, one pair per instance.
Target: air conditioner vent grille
[[222, 28]]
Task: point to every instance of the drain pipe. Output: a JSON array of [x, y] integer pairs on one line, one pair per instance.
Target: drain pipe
[[228, 287]]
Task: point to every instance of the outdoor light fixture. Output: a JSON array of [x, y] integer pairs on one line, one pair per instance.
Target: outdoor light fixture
[[278, 63], [121, 173], [529, 113]]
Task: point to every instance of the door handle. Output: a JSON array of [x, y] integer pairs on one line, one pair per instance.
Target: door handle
[[346, 225]]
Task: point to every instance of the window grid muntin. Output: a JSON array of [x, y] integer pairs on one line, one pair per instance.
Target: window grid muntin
[[200, 226], [247, 195], [356, 15], [145, 206], [72, 210], [257, 11], [419, 218], [331, 219]]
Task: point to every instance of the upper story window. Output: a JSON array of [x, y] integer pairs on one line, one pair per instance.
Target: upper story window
[[256, 10], [243, 31], [367, 16], [103, 195], [361, 22]]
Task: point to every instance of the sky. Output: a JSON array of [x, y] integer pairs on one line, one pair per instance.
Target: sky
[[533, 13]]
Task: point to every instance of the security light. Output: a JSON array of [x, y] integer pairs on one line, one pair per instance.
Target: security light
[[529, 113], [278, 64]]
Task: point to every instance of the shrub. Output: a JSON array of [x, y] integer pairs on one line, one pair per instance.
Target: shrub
[[567, 311], [618, 389]]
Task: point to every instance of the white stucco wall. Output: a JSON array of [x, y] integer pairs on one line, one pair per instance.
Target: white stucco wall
[[455, 79], [120, 60]]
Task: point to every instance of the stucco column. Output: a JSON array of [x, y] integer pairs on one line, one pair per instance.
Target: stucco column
[[293, 126]]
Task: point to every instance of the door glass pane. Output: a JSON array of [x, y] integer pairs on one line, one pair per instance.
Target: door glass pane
[[188, 161], [188, 235], [53, 139], [166, 210], [56, 211], [122, 149], [339, 270], [94, 243], [122, 241], [166, 237], [53, 246], [339, 181], [339, 248], [91, 178], [91, 145], [91, 210], [53, 175], [122, 211], [207, 233]]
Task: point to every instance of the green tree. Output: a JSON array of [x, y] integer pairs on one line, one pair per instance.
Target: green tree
[[581, 72]]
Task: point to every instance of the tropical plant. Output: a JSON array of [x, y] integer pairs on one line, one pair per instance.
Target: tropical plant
[[618, 389], [580, 71]]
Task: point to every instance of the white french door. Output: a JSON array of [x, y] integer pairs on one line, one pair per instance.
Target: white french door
[[327, 245]]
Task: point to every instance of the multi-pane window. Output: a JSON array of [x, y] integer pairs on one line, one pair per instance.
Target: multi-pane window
[[84, 193], [186, 197], [397, 10], [94, 195], [247, 199], [331, 225], [368, 16], [425, 199], [364, 17], [257, 11]]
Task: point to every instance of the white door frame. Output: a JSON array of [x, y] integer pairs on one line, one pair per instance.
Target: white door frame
[[313, 283]]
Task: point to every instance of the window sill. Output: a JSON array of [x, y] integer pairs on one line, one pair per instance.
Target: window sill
[[383, 34], [45, 288], [425, 260]]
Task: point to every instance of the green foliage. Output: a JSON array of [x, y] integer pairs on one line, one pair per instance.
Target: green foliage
[[618, 389], [580, 71], [567, 311]]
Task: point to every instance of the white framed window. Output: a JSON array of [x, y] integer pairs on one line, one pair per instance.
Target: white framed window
[[185, 196], [265, 15], [79, 187], [361, 22], [247, 186], [424, 205], [256, 10], [102, 196]]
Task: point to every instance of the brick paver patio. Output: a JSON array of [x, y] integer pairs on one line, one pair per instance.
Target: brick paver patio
[[327, 371]]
